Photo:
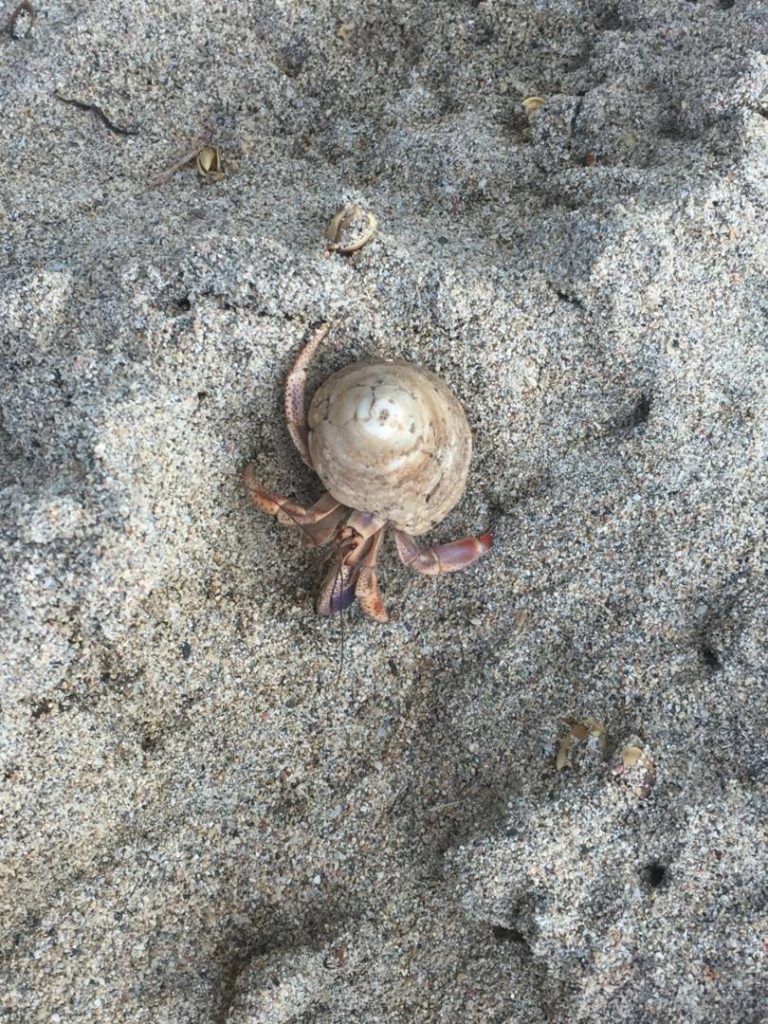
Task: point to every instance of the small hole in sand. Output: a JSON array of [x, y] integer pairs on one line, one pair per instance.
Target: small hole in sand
[[654, 874], [510, 936], [502, 934], [710, 657]]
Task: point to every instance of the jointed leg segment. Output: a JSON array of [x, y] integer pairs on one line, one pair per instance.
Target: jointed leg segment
[[295, 393], [367, 587], [457, 554], [319, 521]]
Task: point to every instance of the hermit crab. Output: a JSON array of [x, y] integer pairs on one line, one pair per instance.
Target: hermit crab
[[391, 445]]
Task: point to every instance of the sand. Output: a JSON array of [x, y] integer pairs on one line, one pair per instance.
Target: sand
[[219, 807]]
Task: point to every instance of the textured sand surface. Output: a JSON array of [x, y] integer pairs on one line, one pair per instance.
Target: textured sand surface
[[208, 816]]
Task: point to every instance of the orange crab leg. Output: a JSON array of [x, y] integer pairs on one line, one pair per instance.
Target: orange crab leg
[[458, 554], [315, 535], [319, 521], [367, 587], [295, 393]]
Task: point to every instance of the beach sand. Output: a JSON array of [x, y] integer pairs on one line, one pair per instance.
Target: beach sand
[[538, 794]]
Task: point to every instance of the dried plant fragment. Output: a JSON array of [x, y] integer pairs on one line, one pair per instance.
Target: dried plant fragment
[[350, 229], [207, 160], [521, 618], [169, 172], [630, 756], [98, 111]]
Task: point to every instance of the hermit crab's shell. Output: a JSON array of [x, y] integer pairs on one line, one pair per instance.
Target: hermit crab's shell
[[391, 439]]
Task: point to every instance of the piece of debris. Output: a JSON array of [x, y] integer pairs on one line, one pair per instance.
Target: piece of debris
[[21, 20], [350, 229], [579, 732], [531, 105], [95, 109], [209, 164], [637, 769], [207, 159]]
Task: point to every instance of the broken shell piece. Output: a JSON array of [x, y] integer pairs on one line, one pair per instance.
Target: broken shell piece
[[350, 229], [579, 732], [637, 769], [21, 20], [209, 165], [630, 756], [531, 105]]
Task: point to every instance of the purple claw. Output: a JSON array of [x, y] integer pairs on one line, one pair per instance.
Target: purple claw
[[338, 589], [352, 573], [343, 599]]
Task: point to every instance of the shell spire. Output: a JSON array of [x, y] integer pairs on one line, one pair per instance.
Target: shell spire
[[391, 439]]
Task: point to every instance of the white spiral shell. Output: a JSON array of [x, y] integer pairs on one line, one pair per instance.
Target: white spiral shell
[[389, 438]]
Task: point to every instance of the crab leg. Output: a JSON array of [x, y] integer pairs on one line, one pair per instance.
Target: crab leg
[[295, 396], [442, 557], [367, 587], [355, 542], [319, 521], [315, 535]]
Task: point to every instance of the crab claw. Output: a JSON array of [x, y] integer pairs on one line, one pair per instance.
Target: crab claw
[[352, 573], [451, 557], [337, 590]]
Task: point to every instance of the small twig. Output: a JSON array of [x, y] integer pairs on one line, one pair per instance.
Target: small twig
[[95, 109], [169, 172], [25, 7]]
